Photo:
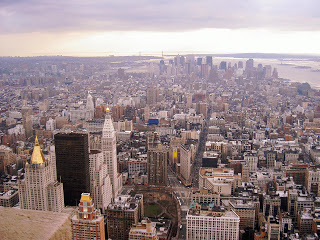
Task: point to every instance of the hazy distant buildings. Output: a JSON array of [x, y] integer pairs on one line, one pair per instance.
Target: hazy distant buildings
[[83, 113], [72, 158], [152, 95]]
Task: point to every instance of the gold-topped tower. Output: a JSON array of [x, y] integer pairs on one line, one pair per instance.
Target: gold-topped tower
[[37, 155], [39, 190]]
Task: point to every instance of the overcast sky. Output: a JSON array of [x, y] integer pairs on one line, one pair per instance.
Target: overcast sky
[[103, 27]]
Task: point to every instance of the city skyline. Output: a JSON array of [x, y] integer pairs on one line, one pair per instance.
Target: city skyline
[[33, 28]]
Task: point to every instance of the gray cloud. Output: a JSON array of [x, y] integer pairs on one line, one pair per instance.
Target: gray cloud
[[23, 16]]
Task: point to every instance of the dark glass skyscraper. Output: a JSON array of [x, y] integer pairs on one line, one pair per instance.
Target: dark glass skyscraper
[[72, 159], [209, 61]]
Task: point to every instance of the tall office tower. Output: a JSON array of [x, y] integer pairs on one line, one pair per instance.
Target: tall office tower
[[275, 73], [268, 71], [152, 95], [189, 100], [249, 64], [109, 150], [87, 223], [39, 190], [117, 112], [100, 183], [210, 222], [209, 61], [157, 157], [122, 214], [185, 163], [146, 113], [27, 120], [199, 61], [223, 66], [90, 105], [182, 60], [72, 159], [162, 67], [204, 71]]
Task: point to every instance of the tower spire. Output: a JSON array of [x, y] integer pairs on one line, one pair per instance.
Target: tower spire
[[107, 108], [37, 155]]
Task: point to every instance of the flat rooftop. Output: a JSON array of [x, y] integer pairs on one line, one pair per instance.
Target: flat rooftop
[[29, 224]]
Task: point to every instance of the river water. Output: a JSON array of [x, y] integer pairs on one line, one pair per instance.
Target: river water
[[295, 70]]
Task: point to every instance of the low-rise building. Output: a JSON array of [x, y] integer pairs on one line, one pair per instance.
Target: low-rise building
[[9, 198], [205, 222]]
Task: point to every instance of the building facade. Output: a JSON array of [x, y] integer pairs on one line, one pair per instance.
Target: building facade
[[212, 223], [157, 157], [100, 183], [122, 214]]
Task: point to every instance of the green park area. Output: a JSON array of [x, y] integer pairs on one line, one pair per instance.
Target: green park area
[[152, 210]]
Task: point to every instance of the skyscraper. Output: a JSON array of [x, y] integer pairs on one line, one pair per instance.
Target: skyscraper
[[249, 64], [100, 183], [72, 160], [88, 223], [223, 66], [157, 157], [209, 61], [109, 150], [39, 190]]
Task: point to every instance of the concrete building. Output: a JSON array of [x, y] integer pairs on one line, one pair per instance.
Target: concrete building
[[122, 214], [87, 223], [146, 230], [252, 161], [220, 180], [39, 190], [6, 157], [271, 205], [313, 181], [157, 157], [305, 222], [205, 196], [185, 163], [9, 198], [212, 223], [270, 159], [273, 228], [152, 95], [246, 212], [136, 166]]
